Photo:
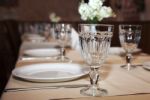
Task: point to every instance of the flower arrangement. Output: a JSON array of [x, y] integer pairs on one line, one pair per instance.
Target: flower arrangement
[[94, 11]]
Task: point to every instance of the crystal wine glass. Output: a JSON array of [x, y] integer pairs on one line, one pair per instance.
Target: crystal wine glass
[[63, 35], [95, 41], [129, 36]]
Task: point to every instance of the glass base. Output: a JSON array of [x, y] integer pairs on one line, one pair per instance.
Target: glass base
[[63, 59], [93, 91], [128, 67]]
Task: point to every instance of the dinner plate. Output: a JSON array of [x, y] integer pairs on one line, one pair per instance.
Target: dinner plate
[[33, 37], [50, 72], [120, 51], [116, 51], [146, 65], [47, 52]]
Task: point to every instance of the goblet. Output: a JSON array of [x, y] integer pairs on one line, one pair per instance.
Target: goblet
[[95, 40], [129, 36], [63, 36]]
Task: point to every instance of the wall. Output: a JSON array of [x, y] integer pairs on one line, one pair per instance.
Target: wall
[[146, 15], [39, 10]]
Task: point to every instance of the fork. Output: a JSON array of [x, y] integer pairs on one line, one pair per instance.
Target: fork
[[45, 87]]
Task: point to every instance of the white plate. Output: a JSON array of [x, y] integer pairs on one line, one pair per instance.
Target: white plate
[[116, 51], [49, 52], [33, 37], [146, 65], [36, 45], [120, 51], [50, 72]]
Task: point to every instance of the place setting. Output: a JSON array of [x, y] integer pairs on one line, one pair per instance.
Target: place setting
[[59, 69], [63, 69], [50, 76]]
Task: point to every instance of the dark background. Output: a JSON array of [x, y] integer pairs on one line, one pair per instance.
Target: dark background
[[8, 2]]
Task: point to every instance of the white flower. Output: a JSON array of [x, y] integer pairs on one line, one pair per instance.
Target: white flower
[[106, 12], [95, 4], [94, 9], [84, 11]]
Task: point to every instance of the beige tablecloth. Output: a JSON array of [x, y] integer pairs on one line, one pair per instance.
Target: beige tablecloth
[[117, 81]]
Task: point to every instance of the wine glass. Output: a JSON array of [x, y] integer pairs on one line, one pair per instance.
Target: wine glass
[[129, 36], [95, 41], [62, 35]]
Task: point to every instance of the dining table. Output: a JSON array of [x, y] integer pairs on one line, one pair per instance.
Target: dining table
[[120, 84]]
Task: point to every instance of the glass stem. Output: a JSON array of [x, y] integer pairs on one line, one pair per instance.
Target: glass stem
[[128, 60], [94, 77], [62, 52]]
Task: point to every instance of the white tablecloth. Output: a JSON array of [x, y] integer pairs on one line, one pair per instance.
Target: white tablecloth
[[117, 81]]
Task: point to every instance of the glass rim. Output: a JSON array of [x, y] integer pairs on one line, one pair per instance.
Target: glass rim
[[97, 24]]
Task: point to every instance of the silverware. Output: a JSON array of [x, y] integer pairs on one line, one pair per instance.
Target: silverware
[[35, 58], [45, 87], [67, 98]]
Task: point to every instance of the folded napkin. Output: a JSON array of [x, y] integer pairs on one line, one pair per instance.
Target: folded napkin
[[75, 40]]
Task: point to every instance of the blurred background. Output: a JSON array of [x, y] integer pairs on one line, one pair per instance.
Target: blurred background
[[37, 10], [20, 16]]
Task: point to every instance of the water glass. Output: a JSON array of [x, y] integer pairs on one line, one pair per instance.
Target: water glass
[[129, 36], [95, 41], [62, 34]]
